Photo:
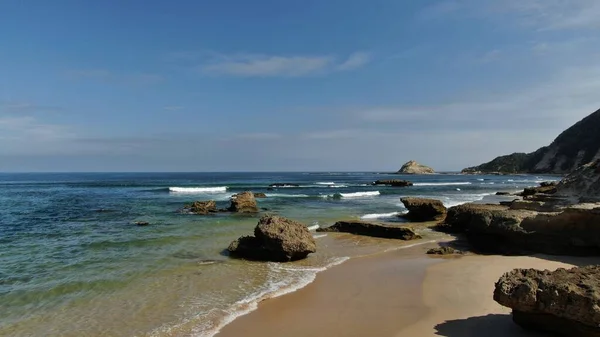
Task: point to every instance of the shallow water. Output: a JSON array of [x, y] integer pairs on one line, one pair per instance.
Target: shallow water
[[73, 263]]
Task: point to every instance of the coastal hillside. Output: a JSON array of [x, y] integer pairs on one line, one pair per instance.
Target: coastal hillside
[[576, 146]]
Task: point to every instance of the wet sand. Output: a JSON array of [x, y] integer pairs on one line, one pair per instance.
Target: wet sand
[[397, 294], [368, 296]]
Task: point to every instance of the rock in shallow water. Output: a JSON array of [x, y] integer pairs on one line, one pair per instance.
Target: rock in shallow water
[[275, 239], [394, 183], [421, 209], [372, 229], [566, 302], [201, 207], [243, 203]]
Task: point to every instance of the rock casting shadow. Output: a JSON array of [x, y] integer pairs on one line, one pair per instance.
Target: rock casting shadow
[[489, 326]]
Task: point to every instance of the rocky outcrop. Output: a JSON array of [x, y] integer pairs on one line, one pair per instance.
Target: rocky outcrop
[[243, 203], [412, 167], [443, 251], [582, 185], [538, 206], [394, 183], [275, 239], [564, 302], [577, 146], [544, 188], [421, 209], [372, 229], [200, 207], [259, 195], [498, 229]]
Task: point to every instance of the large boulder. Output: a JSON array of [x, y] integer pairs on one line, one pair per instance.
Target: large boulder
[[498, 229], [201, 207], [372, 229], [275, 239], [421, 209], [243, 203], [564, 302], [412, 167], [394, 183]]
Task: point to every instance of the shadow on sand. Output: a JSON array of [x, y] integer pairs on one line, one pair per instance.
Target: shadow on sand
[[488, 326]]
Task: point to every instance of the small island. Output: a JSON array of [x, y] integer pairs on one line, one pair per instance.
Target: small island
[[412, 167]]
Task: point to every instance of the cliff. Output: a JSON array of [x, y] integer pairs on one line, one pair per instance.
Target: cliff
[[576, 146]]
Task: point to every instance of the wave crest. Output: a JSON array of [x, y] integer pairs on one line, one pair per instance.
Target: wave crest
[[219, 189]]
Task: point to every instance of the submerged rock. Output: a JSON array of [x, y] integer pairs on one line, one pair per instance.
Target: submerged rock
[[259, 195], [394, 183], [142, 223], [243, 203], [372, 229], [275, 239], [201, 207], [412, 167], [421, 209], [564, 302]]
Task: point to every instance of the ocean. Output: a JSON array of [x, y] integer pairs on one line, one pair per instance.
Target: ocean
[[74, 263]]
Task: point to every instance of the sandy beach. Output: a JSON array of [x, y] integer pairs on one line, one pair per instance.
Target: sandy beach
[[402, 293]]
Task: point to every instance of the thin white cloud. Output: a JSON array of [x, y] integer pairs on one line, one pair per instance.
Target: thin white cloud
[[354, 61], [556, 103], [255, 65], [30, 129], [109, 76], [539, 14]]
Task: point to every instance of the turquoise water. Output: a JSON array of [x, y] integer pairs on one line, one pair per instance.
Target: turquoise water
[[73, 262]]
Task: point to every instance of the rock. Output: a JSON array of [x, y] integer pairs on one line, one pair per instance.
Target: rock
[[412, 167], [243, 203], [499, 230], [259, 195], [201, 207], [563, 302], [443, 251], [538, 206], [394, 183], [275, 239], [548, 183], [372, 229], [583, 185], [284, 185], [142, 223], [421, 209], [503, 193], [548, 189]]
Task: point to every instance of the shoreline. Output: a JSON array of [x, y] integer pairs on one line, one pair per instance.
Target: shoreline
[[398, 293]]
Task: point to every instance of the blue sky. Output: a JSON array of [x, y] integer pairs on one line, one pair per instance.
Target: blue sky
[[289, 85]]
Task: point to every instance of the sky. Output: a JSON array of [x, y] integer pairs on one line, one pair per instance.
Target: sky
[[289, 85]]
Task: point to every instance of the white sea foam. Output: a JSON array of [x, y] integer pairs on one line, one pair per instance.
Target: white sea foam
[[360, 194], [313, 227], [275, 287], [443, 184], [380, 215], [318, 236], [326, 183], [282, 195], [219, 189], [481, 179]]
